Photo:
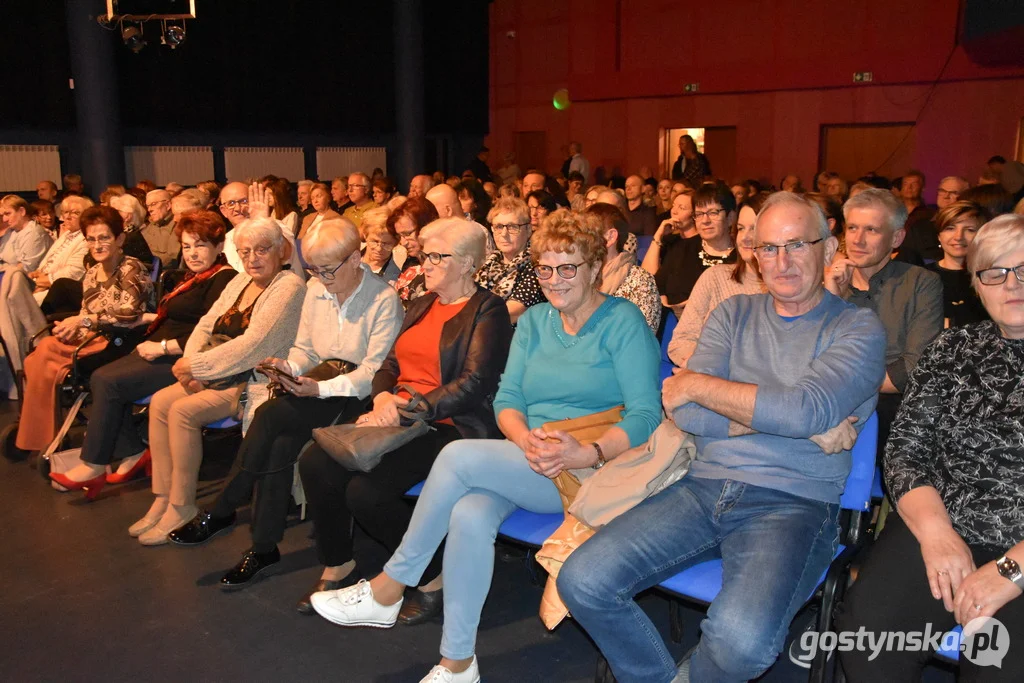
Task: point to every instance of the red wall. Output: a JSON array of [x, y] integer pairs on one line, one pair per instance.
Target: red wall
[[776, 69]]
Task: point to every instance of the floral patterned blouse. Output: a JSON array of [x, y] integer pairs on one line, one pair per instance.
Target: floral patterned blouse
[[122, 296], [411, 284], [959, 429]]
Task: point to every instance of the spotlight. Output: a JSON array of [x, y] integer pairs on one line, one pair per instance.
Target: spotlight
[[132, 37], [173, 36]]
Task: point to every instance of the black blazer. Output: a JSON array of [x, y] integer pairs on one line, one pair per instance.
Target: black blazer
[[474, 348]]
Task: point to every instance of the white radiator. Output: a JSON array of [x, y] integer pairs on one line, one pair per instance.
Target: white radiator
[[248, 163], [162, 165], [332, 162], [23, 166]]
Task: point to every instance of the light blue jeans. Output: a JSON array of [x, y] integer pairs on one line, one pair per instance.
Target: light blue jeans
[[474, 485], [774, 546]]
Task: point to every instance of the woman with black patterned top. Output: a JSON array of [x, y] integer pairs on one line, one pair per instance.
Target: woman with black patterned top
[[954, 465], [681, 260], [508, 271]]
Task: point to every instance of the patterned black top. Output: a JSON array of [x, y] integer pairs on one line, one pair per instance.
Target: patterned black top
[[515, 280], [961, 429]]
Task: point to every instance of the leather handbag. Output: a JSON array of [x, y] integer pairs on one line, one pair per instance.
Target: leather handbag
[[585, 429], [243, 377], [360, 448], [324, 371]]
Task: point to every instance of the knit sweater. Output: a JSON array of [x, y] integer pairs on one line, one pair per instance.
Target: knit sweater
[[811, 373], [361, 331], [271, 330], [714, 286]]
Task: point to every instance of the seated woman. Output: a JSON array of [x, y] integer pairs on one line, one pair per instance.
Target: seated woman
[[43, 213], [603, 354], [348, 315], [134, 216], [540, 203], [407, 221], [383, 190], [508, 271], [474, 200], [21, 294], [676, 261], [719, 283], [117, 385], [957, 225], [320, 200], [256, 316], [115, 292], [620, 276], [381, 240], [452, 349], [954, 465], [26, 242]]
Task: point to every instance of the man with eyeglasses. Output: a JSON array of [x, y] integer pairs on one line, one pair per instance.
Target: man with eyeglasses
[[234, 206], [770, 394], [159, 232], [359, 194], [907, 298]]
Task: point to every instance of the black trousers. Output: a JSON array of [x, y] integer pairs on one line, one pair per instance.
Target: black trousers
[[115, 387], [266, 459], [375, 500], [892, 594]]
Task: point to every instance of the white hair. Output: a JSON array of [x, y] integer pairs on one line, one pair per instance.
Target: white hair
[[260, 229], [883, 200], [801, 201], [127, 202]]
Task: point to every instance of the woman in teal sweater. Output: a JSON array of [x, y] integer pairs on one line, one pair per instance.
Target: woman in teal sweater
[[582, 352]]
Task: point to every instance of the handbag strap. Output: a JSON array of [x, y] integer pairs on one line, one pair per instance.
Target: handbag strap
[[417, 407]]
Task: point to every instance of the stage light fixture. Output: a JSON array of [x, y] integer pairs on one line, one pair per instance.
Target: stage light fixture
[[173, 36], [132, 37]]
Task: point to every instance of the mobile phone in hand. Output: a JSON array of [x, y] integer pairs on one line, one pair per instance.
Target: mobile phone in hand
[[271, 370]]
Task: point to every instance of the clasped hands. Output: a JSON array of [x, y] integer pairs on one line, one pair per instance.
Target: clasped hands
[[548, 453], [385, 411]]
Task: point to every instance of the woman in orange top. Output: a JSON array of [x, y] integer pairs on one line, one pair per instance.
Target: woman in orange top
[[452, 350]]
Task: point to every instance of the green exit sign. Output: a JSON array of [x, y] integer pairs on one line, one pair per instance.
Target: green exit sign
[[863, 77], [691, 87]]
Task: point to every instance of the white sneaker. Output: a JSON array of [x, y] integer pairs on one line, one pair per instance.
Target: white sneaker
[[440, 674], [355, 606]]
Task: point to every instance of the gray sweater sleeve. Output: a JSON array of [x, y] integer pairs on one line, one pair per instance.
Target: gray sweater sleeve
[[924, 326], [273, 325]]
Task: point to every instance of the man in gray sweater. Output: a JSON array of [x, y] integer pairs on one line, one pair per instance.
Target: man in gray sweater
[[774, 394]]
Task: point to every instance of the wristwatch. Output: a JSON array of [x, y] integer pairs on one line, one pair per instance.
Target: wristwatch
[[85, 322], [1009, 569], [601, 462], [163, 345]]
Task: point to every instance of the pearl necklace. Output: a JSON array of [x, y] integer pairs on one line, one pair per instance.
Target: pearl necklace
[[708, 259]]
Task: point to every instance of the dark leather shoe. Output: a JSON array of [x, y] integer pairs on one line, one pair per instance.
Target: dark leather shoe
[[306, 607], [420, 607], [201, 529], [252, 566]]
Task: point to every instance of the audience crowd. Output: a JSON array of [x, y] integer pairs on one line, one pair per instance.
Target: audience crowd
[[475, 314]]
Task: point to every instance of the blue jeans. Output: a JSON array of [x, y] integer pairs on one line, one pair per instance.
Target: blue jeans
[[474, 485], [774, 547]]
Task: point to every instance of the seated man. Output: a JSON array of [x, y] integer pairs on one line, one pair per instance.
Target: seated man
[[906, 298], [770, 393]]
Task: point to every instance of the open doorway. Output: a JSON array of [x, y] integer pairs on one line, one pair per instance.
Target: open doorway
[[670, 146], [718, 143]]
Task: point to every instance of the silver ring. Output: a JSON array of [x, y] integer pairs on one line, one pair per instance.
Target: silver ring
[[977, 607], [943, 571]]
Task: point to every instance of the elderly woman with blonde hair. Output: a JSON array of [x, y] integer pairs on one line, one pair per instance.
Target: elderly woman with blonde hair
[[255, 317], [598, 346], [508, 270], [380, 239]]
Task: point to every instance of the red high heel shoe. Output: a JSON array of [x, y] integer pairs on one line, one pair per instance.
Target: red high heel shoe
[[144, 463], [92, 486]]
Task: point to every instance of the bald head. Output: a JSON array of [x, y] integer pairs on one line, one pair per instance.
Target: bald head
[[614, 198], [446, 201], [420, 185], [231, 206]]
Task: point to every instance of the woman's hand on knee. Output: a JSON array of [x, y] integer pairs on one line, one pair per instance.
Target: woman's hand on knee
[[983, 593], [948, 561]]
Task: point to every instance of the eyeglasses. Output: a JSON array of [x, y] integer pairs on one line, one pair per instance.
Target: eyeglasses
[[235, 203], [711, 213], [158, 203], [566, 271], [997, 276], [948, 193], [510, 228], [107, 239], [378, 244], [361, 186], [69, 214], [329, 275], [435, 257], [798, 247], [244, 254]]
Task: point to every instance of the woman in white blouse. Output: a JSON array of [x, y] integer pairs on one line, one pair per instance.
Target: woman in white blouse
[[21, 292], [348, 315]]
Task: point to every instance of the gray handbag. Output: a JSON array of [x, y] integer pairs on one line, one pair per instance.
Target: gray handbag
[[360, 449]]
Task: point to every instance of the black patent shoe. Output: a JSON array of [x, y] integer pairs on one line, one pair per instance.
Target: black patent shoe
[[253, 566], [201, 529], [306, 607], [420, 607]]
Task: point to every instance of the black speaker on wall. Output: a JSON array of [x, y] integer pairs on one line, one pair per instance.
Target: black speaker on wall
[[992, 32]]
